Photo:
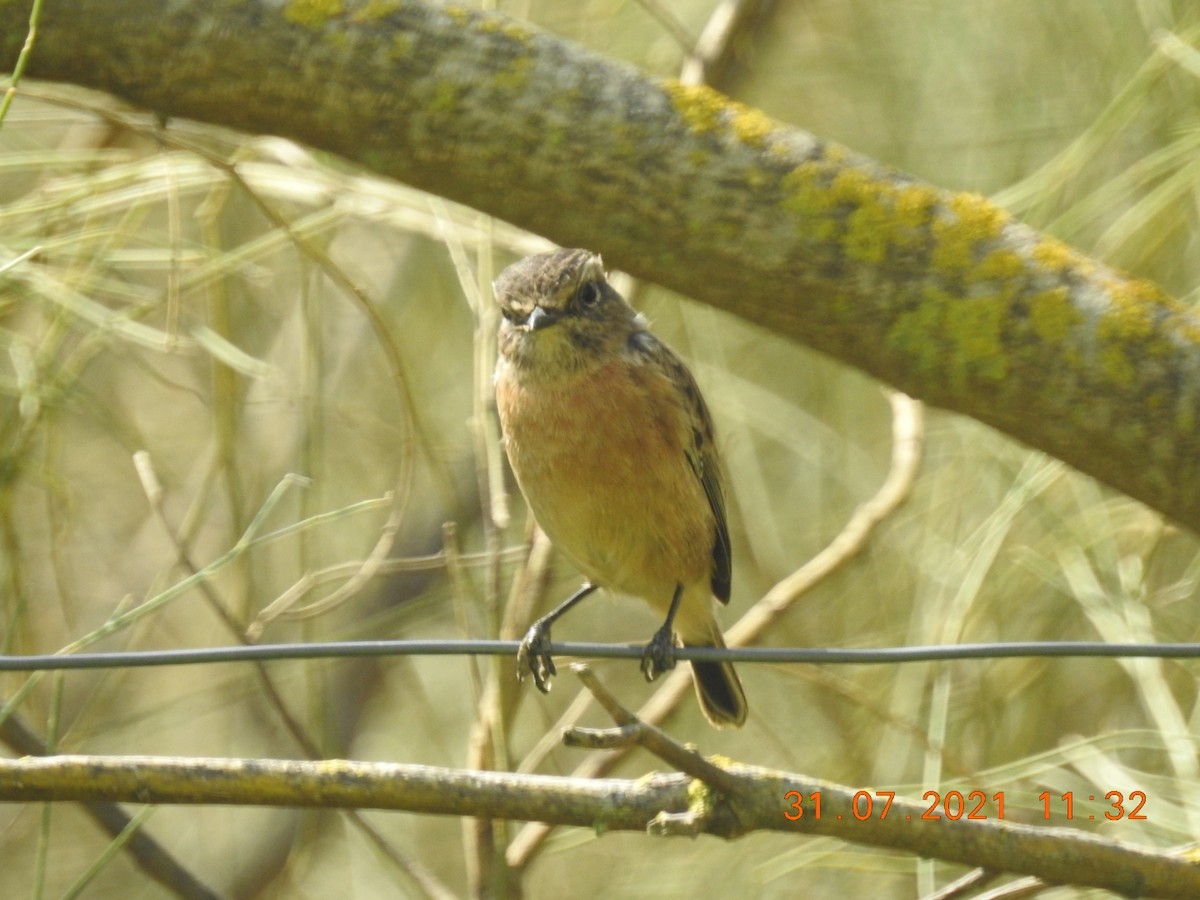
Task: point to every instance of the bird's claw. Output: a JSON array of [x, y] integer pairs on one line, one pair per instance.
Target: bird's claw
[[533, 657], [659, 655]]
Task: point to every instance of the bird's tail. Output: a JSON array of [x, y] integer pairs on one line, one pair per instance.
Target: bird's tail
[[718, 687]]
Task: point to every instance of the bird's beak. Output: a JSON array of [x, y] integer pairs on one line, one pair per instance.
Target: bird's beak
[[541, 318]]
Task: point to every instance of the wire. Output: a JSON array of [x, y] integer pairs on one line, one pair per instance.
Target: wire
[[811, 655]]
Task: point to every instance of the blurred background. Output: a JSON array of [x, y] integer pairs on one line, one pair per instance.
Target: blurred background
[[301, 354]]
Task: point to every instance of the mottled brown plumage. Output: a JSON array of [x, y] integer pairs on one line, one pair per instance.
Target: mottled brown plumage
[[613, 448]]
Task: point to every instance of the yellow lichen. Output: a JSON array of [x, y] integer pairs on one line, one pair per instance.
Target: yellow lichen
[[953, 248], [750, 125], [1138, 304], [1127, 318], [915, 332], [1115, 363], [1056, 257], [999, 265], [956, 338], [977, 216], [810, 199], [976, 327], [706, 111], [313, 13], [867, 233], [879, 216], [1052, 316], [510, 29], [856, 187], [516, 76], [912, 208], [807, 193], [460, 14], [699, 106], [972, 222], [913, 204], [1149, 292], [1187, 327], [374, 10], [836, 154]]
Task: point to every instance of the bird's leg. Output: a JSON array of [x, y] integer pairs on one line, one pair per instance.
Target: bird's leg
[[659, 655], [534, 653]]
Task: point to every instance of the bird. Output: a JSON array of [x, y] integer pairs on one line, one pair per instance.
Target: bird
[[612, 446]]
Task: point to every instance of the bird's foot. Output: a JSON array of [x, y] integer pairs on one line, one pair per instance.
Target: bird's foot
[[533, 656], [659, 655]]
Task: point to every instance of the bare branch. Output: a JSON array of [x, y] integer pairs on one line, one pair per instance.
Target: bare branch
[[757, 800]]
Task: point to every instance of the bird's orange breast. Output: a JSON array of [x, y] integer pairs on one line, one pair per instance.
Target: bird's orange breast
[[602, 460]]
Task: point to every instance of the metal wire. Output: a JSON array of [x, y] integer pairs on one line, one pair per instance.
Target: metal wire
[[811, 655]]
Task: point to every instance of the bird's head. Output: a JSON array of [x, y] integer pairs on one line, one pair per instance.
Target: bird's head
[[560, 312]]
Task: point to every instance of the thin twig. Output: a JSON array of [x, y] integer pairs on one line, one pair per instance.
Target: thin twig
[[965, 886], [154, 494], [655, 740], [710, 59]]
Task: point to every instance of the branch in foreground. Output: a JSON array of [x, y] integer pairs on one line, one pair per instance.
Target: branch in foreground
[[939, 293], [1053, 854]]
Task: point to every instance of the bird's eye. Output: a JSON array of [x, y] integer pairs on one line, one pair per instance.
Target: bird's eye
[[589, 294]]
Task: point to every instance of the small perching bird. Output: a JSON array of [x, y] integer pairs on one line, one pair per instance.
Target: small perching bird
[[612, 446]]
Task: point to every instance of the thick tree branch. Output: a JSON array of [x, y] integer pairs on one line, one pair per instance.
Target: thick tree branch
[[939, 293], [756, 801]]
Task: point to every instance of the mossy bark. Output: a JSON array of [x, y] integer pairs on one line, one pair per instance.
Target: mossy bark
[[939, 293]]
